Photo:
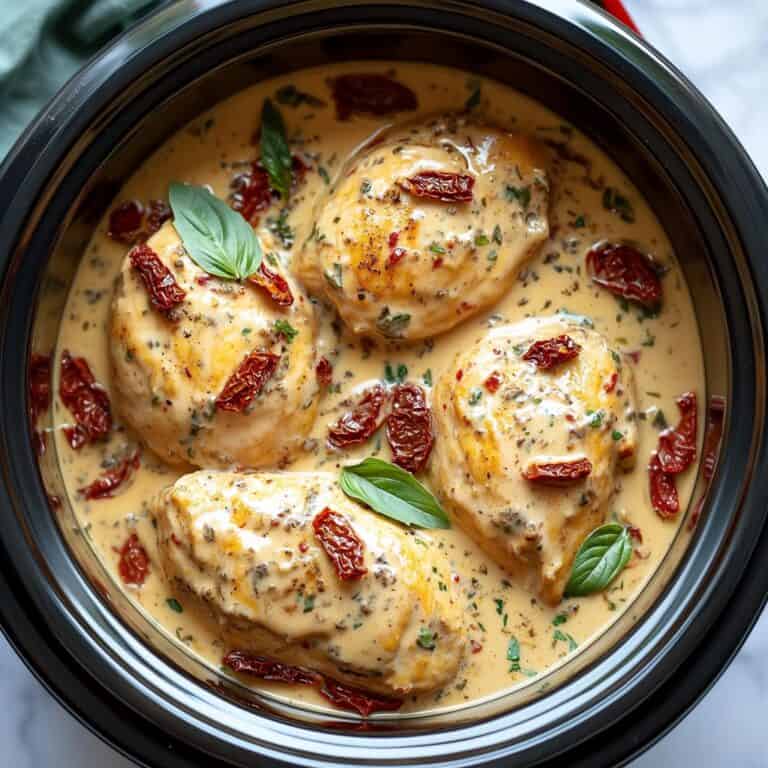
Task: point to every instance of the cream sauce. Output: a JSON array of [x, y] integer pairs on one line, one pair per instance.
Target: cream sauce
[[214, 148]]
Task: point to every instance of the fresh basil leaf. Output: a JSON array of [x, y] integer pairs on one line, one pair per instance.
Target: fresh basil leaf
[[393, 492], [218, 239], [601, 557], [275, 153]]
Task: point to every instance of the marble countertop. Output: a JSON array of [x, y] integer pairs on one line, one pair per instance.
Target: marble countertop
[[719, 45]]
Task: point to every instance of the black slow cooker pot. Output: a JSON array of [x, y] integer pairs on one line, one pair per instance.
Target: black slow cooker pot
[[141, 692]]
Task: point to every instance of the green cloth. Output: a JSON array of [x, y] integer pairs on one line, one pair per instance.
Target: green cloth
[[43, 43]]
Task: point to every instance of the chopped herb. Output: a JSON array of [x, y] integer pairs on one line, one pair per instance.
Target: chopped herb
[[392, 326], [561, 618], [616, 435], [653, 394], [492, 255], [395, 376], [519, 349], [365, 187], [513, 655], [281, 228], [498, 238], [174, 605], [436, 247], [428, 377], [560, 636], [580, 222], [291, 96], [324, 174], [499, 605], [616, 357], [616, 203], [475, 396], [246, 331], [427, 639], [649, 339], [520, 194], [660, 420], [529, 672], [286, 330], [596, 420], [481, 239], [309, 603]]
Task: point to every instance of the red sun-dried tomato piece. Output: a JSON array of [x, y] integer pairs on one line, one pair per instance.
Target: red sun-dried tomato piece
[[558, 473], [126, 221], [39, 384], [357, 425], [610, 385], [87, 401], [440, 185], [247, 381], [268, 669], [626, 272], [164, 292], [104, 486], [663, 491], [133, 565], [677, 447], [409, 428], [493, 382], [548, 353], [250, 193], [324, 372], [274, 284], [158, 212], [340, 542], [371, 94], [356, 700]]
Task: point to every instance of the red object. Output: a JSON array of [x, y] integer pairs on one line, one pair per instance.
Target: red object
[[250, 193], [396, 254], [111, 479], [558, 473], [159, 212], [247, 381], [324, 372], [677, 447], [617, 9], [39, 383], [440, 185], [551, 352], [357, 700], [133, 565], [87, 401], [611, 384], [126, 221], [625, 272], [269, 669], [663, 491], [274, 284], [371, 94], [164, 292], [341, 544], [358, 425], [493, 382], [635, 533], [409, 428]]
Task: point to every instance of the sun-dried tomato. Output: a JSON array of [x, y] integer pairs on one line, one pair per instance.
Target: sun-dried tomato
[[357, 700], [133, 565], [274, 284], [493, 382], [663, 491], [247, 381], [324, 372], [250, 193], [558, 473], [158, 212], [268, 669], [409, 428], [104, 486], [677, 447], [164, 292], [626, 272], [87, 401], [126, 221], [371, 94], [357, 425], [440, 185], [551, 352], [39, 383], [340, 542], [610, 385]]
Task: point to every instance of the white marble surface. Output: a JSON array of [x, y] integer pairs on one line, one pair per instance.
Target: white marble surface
[[720, 44]]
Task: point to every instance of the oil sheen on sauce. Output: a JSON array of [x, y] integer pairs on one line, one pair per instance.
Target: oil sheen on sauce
[[218, 145]]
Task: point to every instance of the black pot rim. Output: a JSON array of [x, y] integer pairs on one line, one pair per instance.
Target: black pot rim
[[726, 614]]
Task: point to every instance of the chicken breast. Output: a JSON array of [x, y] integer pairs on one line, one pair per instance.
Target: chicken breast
[[526, 456], [169, 371], [427, 227], [246, 545]]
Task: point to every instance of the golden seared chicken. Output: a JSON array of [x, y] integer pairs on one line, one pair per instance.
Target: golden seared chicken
[[427, 227], [533, 423], [256, 548], [225, 376]]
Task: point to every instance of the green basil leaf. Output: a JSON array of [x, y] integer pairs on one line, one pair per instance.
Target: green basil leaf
[[275, 153], [393, 492], [218, 239], [601, 557]]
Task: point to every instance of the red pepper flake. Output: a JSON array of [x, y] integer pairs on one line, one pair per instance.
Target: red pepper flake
[[250, 193], [440, 185], [396, 255], [626, 272], [356, 700], [256, 369], [409, 428], [558, 473], [357, 425], [87, 401], [610, 385], [551, 352], [493, 382], [274, 284], [475, 646], [677, 447], [370, 94], [341, 544], [303, 547], [39, 384], [104, 486], [126, 221], [268, 669], [437, 263], [324, 372], [164, 292], [133, 565], [635, 533], [663, 491], [459, 374]]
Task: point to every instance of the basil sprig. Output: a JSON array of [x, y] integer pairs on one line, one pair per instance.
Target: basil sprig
[[275, 153], [393, 492], [600, 559], [218, 239]]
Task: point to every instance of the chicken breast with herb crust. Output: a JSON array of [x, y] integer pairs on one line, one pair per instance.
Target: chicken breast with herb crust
[[247, 546]]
